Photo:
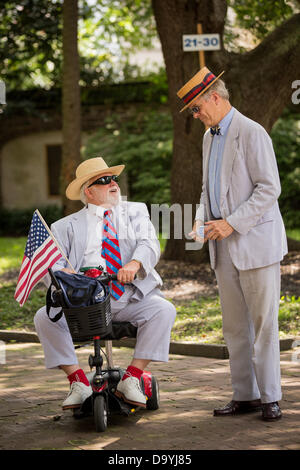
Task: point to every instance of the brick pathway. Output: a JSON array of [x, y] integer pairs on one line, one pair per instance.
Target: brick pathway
[[190, 387]]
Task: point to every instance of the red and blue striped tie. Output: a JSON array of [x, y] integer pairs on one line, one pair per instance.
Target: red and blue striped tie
[[111, 253]]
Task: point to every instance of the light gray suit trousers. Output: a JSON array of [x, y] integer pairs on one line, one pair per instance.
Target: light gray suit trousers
[[249, 301]]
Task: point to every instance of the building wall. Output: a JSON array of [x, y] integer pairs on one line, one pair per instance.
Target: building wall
[[24, 170]]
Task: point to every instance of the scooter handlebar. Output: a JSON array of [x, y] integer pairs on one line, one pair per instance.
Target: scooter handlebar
[[106, 278]]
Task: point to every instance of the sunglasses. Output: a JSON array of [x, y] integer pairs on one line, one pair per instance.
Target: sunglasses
[[194, 109], [105, 180]]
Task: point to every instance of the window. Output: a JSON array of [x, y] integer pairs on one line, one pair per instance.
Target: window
[[54, 162]]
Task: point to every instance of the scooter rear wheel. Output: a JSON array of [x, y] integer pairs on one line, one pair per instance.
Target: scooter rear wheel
[[153, 401], [100, 413]]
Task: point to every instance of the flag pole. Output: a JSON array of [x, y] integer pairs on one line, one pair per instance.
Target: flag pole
[[53, 238]]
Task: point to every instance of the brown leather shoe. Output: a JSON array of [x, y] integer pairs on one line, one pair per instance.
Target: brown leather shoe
[[238, 407], [271, 411]]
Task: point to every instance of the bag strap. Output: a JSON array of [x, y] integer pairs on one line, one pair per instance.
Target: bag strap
[[49, 304]]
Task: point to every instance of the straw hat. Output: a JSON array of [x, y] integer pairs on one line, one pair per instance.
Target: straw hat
[[88, 169], [196, 86]]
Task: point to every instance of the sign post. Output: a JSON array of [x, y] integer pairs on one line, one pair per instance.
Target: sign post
[[201, 42], [201, 52]]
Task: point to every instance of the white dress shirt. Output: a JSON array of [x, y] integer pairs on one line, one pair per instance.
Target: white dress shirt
[[92, 253]]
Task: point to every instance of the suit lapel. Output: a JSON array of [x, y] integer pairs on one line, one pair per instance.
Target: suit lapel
[[229, 154], [79, 224]]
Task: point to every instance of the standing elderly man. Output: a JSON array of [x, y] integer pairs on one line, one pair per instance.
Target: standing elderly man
[[135, 296], [247, 241]]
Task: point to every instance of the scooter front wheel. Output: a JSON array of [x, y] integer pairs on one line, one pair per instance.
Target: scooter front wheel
[[100, 413]]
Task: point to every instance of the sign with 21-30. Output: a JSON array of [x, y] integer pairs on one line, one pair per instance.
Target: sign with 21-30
[[201, 42]]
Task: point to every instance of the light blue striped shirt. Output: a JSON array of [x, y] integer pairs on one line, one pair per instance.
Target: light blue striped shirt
[[215, 163]]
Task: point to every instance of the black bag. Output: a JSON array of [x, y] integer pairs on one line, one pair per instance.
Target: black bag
[[73, 291]]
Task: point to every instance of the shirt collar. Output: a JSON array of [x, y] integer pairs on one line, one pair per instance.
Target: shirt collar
[[224, 124], [97, 210]]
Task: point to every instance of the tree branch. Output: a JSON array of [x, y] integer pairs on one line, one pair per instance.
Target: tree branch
[[261, 79]]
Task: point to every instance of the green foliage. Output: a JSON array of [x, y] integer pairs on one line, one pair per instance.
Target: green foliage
[[261, 16], [16, 222], [201, 320], [12, 251], [293, 233], [108, 32], [289, 314], [14, 317], [286, 139], [30, 41], [143, 142]]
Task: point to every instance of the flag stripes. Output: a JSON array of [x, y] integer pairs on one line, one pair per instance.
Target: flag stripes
[[40, 254]]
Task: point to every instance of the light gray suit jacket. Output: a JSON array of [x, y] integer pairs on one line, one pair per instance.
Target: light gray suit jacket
[[250, 188], [137, 240]]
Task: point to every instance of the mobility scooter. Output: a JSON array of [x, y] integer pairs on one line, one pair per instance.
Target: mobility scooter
[[85, 302]]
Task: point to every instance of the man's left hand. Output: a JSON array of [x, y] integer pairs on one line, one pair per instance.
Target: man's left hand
[[217, 229], [127, 273]]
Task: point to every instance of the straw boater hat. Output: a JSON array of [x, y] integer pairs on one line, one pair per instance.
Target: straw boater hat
[[88, 169], [196, 86]]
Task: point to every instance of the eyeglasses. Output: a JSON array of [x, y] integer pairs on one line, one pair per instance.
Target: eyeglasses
[[105, 180], [194, 109]]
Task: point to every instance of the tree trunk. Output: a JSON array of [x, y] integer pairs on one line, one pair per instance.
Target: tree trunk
[[70, 102], [259, 82]]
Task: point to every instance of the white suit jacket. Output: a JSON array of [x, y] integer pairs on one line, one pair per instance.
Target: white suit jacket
[[250, 188], [137, 240]]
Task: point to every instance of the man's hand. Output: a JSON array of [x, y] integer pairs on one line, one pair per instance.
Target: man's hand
[[217, 229], [127, 273], [68, 270]]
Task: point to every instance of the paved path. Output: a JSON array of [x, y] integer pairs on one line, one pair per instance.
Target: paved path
[[31, 416]]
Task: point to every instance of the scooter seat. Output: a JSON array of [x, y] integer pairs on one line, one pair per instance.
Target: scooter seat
[[121, 330]]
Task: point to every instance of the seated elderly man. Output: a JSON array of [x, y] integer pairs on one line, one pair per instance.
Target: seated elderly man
[[135, 296]]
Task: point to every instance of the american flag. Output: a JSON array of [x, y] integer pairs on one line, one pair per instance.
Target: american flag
[[40, 254]]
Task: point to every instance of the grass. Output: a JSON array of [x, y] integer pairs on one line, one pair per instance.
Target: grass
[[294, 234], [202, 320], [14, 317], [197, 320], [11, 253]]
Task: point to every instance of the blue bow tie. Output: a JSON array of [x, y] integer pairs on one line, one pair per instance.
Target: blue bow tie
[[215, 130]]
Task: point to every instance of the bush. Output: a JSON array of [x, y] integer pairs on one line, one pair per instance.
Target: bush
[[143, 142], [286, 139], [16, 222]]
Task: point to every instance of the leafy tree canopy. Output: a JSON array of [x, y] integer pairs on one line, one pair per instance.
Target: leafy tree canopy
[[262, 16], [108, 30]]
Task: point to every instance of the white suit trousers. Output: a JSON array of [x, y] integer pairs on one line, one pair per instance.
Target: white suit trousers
[[250, 303], [153, 315]]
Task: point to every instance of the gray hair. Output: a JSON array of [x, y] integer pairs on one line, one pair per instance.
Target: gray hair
[[217, 87], [82, 193]]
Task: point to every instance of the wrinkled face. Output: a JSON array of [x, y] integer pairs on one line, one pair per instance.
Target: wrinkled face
[[107, 195], [208, 111]]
